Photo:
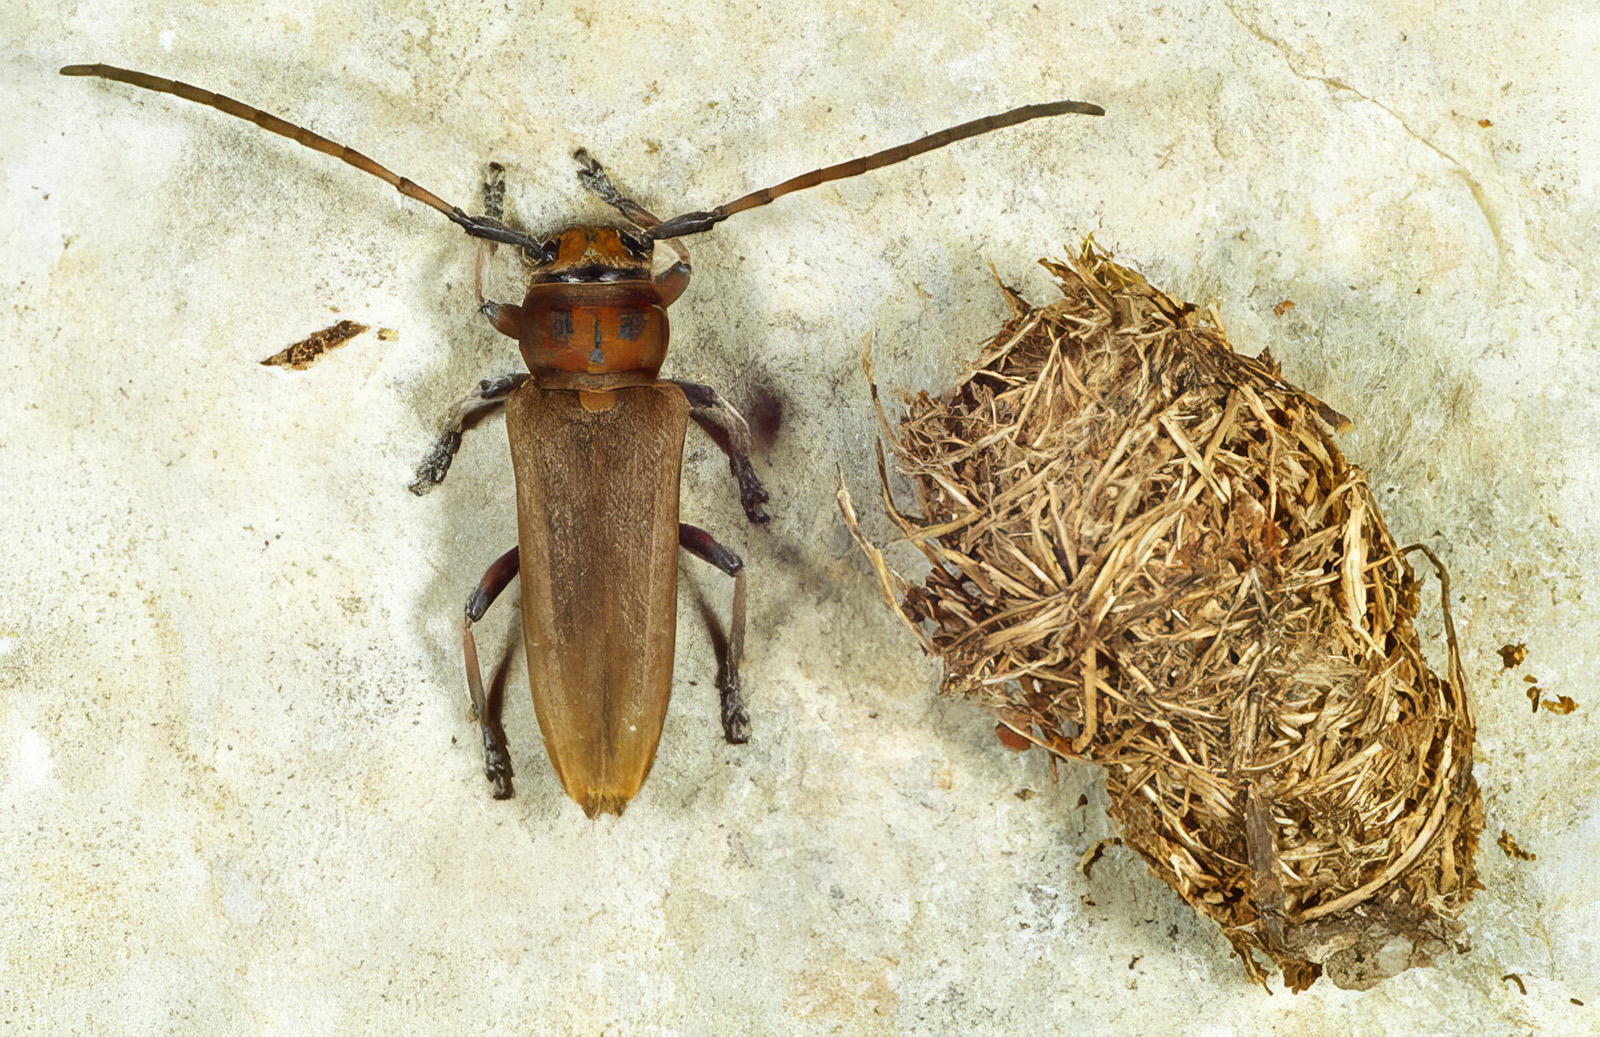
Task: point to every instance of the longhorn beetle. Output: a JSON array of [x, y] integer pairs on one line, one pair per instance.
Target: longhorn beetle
[[596, 448]]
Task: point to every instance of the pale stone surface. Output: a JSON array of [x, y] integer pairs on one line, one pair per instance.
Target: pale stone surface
[[238, 791]]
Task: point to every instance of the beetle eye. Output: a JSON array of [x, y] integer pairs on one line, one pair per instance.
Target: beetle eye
[[549, 251]]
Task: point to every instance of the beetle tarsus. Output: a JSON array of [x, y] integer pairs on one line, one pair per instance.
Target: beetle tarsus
[[431, 471], [597, 181], [751, 493], [735, 719], [494, 192], [497, 763]]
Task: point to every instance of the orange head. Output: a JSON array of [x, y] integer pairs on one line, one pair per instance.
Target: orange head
[[589, 255]]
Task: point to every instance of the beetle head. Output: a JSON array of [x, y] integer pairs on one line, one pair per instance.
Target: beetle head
[[587, 255]]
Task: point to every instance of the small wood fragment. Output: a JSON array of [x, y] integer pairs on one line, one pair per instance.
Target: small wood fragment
[[304, 353], [1509, 847], [1011, 740], [1092, 855]]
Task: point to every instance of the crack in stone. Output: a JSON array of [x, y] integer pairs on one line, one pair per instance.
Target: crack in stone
[[1479, 196]]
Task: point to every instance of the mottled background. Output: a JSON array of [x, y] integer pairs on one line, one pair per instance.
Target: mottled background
[[238, 789]]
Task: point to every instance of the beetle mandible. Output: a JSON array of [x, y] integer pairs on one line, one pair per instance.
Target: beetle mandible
[[596, 556]]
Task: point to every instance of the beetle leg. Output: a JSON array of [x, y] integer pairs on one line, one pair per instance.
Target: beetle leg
[[727, 428], [486, 706], [506, 319], [491, 392], [735, 720], [671, 281], [494, 207]]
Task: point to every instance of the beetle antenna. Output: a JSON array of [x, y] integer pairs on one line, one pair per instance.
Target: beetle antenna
[[478, 227], [697, 222]]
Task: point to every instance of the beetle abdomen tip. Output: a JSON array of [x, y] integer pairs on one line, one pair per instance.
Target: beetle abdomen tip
[[599, 803]]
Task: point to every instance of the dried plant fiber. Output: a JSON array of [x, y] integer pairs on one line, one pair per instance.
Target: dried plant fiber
[[1148, 552]]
